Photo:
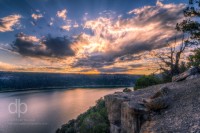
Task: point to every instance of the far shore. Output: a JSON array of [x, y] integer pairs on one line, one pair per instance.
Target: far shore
[[62, 88]]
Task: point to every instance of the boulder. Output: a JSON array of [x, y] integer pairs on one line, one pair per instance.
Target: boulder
[[160, 100], [184, 75], [157, 103], [127, 90], [193, 76]]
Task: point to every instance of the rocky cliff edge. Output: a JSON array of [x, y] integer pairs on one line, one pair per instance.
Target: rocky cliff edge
[[165, 108]]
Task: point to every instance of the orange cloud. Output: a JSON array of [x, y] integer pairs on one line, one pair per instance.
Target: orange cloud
[[62, 14], [66, 27], [7, 23], [36, 16]]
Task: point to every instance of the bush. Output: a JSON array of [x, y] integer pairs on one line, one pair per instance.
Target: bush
[[95, 120], [194, 60], [146, 81]]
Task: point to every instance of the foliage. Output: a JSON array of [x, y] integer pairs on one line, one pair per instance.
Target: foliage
[[190, 25], [146, 81], [95, 120], [183, 67], [194, 60]]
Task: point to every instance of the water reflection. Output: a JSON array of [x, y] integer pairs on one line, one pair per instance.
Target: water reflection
[[46, 110]]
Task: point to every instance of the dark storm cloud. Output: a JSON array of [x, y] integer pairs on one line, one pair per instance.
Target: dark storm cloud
[[136, 65], [57, 47], [100, 61], [162, 15], [92, 62], [129, 58], [112, 70]]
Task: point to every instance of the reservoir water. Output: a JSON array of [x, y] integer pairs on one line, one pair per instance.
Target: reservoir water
[[45, 111]]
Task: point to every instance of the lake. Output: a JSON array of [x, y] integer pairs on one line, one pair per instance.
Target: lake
[[45, 111]]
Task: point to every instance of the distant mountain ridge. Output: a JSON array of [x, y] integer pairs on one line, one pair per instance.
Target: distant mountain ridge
[[26, 81]]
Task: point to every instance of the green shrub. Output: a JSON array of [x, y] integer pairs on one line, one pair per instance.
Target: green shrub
[[146, 81], [194, 60], [94, 120]]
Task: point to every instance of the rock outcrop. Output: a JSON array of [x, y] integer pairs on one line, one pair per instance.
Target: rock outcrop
[[166, 108], [192, 73]]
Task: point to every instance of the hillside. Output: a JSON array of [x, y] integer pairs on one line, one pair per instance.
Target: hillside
[[14, 81]]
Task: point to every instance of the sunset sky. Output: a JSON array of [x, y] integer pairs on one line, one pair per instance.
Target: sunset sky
[[85, 36]]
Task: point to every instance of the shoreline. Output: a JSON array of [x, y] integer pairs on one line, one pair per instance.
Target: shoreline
[[62, 88]]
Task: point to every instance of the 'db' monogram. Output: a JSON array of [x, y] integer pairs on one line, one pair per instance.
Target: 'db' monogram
[[18, 108]]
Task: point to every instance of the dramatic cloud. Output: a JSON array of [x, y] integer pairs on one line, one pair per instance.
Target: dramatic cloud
[[7, 23], [36, 16], [148, 28], [62, 14], [100, 41], [57, 47]]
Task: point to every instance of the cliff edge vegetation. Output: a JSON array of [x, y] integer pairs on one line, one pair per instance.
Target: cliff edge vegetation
[[94, 120]]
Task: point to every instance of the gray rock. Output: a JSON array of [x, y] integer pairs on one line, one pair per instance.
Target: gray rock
[[160, 100], [157, 103], [163, 91], [132, 116], [184, 75], [193, 77], [127, 90], [114, 128], [113, 104]]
